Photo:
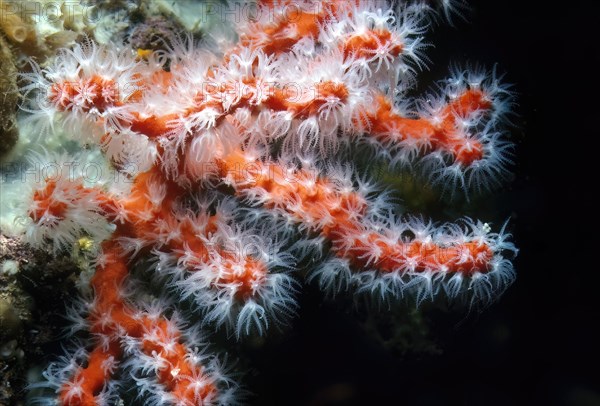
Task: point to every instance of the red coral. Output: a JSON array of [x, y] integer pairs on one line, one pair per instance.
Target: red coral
[[242, 169]]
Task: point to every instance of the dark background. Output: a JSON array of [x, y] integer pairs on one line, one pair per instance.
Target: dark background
[[539, 344]]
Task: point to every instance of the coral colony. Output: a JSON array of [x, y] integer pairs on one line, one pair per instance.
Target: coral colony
[[236, 167]]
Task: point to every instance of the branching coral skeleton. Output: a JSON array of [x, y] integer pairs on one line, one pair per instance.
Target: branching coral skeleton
[[238, 167]]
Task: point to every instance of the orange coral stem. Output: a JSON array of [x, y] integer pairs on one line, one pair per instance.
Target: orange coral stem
[[388, 126], [339, 216]]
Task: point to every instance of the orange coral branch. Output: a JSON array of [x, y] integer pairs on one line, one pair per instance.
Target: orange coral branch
[[340, 215]]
